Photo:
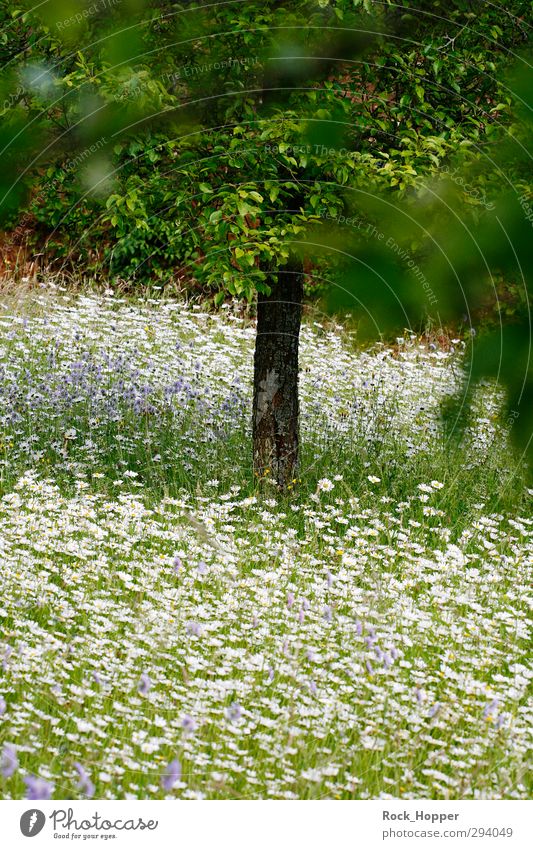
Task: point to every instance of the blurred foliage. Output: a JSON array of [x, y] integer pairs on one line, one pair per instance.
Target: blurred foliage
[[387, 143]]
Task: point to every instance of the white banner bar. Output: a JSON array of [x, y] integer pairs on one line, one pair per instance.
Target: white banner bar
[[268, 824]]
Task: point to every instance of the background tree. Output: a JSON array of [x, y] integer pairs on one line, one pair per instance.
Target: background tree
[[227, 145]]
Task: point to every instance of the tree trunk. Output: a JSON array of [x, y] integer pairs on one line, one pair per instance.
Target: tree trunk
[[275, 405]]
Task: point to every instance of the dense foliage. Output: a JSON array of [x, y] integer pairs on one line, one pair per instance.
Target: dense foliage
[[157, 146]]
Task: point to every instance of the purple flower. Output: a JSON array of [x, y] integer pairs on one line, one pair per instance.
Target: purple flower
[[358, 628], [501, 720], [369, 668], [234, 712], [301, 615], [312, 687], [188, 724], [85, 784], [434, 709], [178, 565], [329, 579], [145, 684], [38, 788], [171, 775], [328, 613], [202, 568], [490, 708], [3, 705], [290, 600], [9, 761], [194, 628]]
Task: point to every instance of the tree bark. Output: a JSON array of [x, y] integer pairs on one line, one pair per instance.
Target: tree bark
[[275, 422]]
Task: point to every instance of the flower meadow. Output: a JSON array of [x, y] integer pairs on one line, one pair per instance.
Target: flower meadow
[[171, 629]]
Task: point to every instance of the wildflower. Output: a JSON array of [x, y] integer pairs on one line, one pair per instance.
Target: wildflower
[[324, 485], [188, 724], [3, 705], [437, 484], [234, 712], [488, 712], [373, 479], [178, 565], [145, 684], [85, 784], [38, 788], [290, 600], [9, 761], [171, 775]]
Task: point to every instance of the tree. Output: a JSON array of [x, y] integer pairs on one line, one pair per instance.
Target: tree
[[245, 134]]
